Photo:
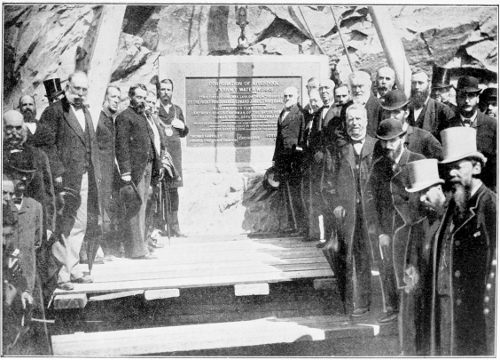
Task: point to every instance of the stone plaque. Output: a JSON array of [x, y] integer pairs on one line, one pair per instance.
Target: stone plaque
[[235, 111]]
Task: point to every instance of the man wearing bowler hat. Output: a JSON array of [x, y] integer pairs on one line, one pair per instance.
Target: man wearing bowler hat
[[412, 244], [468, 115], [464, 254], [424, 112], [393, 205], [441, 86], [395, 105]]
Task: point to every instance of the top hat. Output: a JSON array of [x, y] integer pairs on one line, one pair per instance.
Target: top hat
[[130, 200], [468, 84], [440, 77], [389, 129], [423, 174], [53, 88], [271, 181], [393, 100], [459, 143], [488, 94]]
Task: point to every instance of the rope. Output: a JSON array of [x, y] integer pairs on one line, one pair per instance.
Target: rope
[[342, 39], [310, 32]]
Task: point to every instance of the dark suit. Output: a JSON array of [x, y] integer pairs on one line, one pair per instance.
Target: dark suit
[[433, 114], [463, 282], [288, 161], [346, 185], [76, 154], [393, 207], [137, 156], [486, 140]]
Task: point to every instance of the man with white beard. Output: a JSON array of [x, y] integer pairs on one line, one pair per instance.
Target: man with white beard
[[464, 254]]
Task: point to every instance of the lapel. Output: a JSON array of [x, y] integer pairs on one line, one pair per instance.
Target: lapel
[[25, 206], [330, 114], [89, 124], [402, 162], [70, 118], [288, 116], [472, 209], [428, 113], [368, 146]]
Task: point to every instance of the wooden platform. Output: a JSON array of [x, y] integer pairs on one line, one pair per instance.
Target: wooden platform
[[211, 261]]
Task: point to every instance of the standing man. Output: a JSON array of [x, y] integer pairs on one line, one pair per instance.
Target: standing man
[[464, 255], [174, 127], [426, 113], [346, 187], [386, 81], [412, 257], [138, 153], [488, 102], [105, 135], [287, 158], [361, 92], [468, 115], [395, 105], [441, 86], [77, 155], [393, 205]]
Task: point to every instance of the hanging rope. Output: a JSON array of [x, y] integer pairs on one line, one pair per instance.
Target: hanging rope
[[342, 39]]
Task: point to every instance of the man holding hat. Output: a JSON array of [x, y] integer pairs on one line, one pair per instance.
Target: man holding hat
[[412, 244], [424, 112], [395, 105], [393, 205], [464, 254], [468, 115]]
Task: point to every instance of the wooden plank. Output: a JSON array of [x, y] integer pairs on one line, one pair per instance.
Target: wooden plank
[[251, 289], [206, 336], [114, 296], [161, 294]]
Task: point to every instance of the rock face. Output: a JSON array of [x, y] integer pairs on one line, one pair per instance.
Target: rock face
[[44, 41]]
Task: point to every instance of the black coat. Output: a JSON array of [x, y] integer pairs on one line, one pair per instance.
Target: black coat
[[134, 145], [173, 141], [472, 257], [432, 116], [486, 140]]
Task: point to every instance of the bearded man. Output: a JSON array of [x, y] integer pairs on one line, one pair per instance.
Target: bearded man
[[77, 156], [138, 153], [464, 254], [426, 113]]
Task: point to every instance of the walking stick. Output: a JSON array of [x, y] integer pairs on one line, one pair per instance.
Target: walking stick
[[291, 204]]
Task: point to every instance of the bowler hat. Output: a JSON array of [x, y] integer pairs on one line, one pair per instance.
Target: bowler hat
[[459, 143], [440, 77], [130, 200], [53, 88], [20, 161], [271, 181], [423, 174], [389, 129], [393, 100], [488, 94], [468, 84]]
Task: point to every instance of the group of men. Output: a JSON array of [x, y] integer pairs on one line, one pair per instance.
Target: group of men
[[405, 186], [71, 185]]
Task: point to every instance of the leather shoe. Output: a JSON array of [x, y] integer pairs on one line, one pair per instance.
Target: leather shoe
[[85, 279], [387, 317], [66, 286], [360, 311]]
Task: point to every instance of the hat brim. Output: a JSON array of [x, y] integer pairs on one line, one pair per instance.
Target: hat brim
[[475, 155], [394, 107], [424, 185], [386, 138], [469, 90], [55, 94], [441, 86]]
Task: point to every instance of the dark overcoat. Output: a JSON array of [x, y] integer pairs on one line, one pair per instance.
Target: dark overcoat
[[432, 116], [340, 190], [75, 152], [472, 277], [173, 138]]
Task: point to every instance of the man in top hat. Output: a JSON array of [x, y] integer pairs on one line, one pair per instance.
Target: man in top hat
[[393, 205], [385, 81], [77, 155], [441, 86], [468, 115], [488, 102], [426, 113], [174, 126], [288, 159], [412, 245], [464, 254], [395, 105], [346, 187], [138, 153]]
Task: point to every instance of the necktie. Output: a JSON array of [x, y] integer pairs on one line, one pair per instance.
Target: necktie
[[467, 122]]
